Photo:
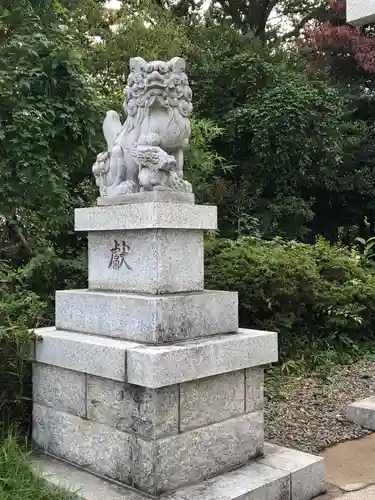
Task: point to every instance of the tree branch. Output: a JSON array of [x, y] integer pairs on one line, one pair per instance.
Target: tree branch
[[15, 229], [230, 7], [265, 13], [18, 233], [296, 30], [318, 13]]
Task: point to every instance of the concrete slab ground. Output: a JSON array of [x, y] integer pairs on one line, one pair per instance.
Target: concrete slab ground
[[363, 494], [282, 474], [366, 494], [352, 462], [350, 470]]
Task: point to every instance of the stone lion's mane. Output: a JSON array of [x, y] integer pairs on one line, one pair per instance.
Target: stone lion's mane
[[138, 101]]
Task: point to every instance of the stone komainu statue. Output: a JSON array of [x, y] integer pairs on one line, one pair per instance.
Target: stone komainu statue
[[146, 152]]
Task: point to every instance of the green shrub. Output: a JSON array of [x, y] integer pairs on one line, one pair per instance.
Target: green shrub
[[27, 296], [311, 295], [20, 310]]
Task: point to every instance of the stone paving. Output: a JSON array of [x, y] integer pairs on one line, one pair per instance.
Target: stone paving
[[350, 470], [362, 494], [366, 494]]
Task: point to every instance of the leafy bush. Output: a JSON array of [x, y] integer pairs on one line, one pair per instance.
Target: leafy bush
[[15, 376], [20, 310], [314, 296], [27, 302]]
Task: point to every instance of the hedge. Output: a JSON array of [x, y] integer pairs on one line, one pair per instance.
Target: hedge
[[310, 294]]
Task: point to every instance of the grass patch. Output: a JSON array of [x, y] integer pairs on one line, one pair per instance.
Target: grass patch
[[17, 481]]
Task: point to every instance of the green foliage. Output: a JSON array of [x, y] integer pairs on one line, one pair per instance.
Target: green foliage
[[17, 480], [20, 310], [15, 373], [48, 121], [367, 249], [319, 298], [137, 28], [202, 164], [27, 302], [48, 124], [283, 133]]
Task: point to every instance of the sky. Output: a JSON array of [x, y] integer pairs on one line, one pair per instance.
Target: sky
[[113, 4], [285, 24]]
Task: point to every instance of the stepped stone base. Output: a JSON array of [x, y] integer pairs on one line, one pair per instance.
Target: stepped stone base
[[363, 413], [154, 417], [147, 380], [283, 474], [153, 319], [153, 466], [154, 366]]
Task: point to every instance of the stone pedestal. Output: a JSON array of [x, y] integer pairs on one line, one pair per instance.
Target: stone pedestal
[[146, 379]]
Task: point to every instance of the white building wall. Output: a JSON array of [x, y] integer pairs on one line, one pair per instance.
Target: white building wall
[[360, 11]]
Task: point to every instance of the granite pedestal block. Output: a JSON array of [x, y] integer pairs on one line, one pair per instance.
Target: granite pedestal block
[[255, 481], [167, 464], [153, 261], [159, 366], [139, 216], [155, 440], [152, 248], [156, 366], [153, 319], [362, 413], [147, 247]]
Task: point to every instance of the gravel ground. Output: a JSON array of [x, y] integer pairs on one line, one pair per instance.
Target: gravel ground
[[308, 413]]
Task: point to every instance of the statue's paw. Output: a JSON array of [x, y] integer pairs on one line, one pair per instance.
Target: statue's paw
[[96, 169], [103, 157], [161, 187], [100, 168], [188, 188], [176, 183], [126, 187]]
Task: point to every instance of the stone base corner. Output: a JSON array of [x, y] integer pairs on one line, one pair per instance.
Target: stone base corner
[[283, 474], [362, 413]]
